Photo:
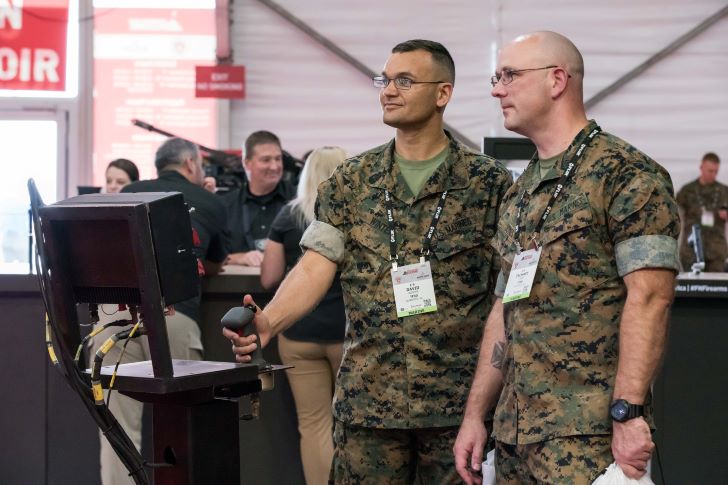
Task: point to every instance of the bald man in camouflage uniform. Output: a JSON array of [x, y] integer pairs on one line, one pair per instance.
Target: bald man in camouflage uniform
[[569, 357], [704, 201], [403, 382]]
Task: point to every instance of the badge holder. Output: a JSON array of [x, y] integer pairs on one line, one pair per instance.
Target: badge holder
[[414, 291], [523, 272]]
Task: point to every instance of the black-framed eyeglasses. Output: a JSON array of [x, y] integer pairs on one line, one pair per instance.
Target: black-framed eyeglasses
[[506, 75], [382, 82]]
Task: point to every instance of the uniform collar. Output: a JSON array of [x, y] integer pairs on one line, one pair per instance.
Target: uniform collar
[[451, 174], [534, 180]]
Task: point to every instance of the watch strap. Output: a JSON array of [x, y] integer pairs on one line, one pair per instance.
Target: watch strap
[[635, 410]]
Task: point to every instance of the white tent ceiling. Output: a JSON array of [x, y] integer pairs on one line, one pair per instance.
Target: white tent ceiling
[[675, 111]]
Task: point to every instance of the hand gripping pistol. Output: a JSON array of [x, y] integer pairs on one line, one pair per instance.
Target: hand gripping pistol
[[240, 319]]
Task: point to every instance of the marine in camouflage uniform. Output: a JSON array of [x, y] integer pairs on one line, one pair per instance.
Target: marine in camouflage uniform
[[616, 215], [402, 385], [586, 323], [411, 373], [692, 198]]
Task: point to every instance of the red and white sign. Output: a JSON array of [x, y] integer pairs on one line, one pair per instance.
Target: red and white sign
[[33, 44], [220, 82], [144, 68]]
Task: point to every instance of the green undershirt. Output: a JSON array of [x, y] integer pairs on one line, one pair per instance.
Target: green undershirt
[[547, 164], [417, 173]]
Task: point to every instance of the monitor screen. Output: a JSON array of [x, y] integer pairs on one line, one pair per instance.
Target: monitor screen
[[509, 148]]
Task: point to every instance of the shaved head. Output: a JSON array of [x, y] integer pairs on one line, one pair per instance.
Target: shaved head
[[540, 87], [556, 49]]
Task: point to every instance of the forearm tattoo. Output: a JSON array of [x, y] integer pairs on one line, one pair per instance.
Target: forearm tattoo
[[498, 357]]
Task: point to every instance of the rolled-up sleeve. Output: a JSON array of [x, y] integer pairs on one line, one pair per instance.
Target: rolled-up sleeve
[[646, 252], [644, 223], [325, 239], [326, 234]]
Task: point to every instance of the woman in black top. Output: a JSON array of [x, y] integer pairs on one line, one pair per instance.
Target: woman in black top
[[314, 345]]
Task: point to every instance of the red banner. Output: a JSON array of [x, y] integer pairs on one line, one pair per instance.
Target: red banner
[[220, 82], [33, 37]]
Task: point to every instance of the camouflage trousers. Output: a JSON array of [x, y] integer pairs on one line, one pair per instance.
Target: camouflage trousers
[[571, 460], [373, 456]]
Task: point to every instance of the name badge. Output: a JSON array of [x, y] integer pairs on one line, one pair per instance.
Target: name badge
[[414, 291], [707, 218], [523, 272]]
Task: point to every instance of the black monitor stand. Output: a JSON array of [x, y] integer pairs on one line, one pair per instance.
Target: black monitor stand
[[137, 249], [195, 416]]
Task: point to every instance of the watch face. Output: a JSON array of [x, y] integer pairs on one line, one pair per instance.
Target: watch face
[[619, 410]]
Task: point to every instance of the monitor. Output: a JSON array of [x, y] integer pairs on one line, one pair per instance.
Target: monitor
[[133, 248], [509, 148], [88, 189]]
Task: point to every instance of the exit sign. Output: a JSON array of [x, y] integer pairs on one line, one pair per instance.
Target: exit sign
[[220, 82]]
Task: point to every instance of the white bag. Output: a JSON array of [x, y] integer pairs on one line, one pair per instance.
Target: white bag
[[615, 476], [488, 468]]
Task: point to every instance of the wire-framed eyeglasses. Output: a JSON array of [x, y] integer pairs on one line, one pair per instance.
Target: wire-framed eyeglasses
[[506, 76], [404, 83]]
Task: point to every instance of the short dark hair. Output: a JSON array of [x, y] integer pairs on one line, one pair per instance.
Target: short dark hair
[[259, 138], [174, 152], [711, 157], [127, 166], [440, 55]]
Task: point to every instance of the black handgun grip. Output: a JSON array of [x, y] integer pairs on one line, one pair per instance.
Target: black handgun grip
[[240, 320]]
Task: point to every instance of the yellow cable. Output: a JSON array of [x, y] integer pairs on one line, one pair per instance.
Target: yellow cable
[[49, 342], [106, 346], [96, 371], [123, 349], [104, 349], [98, 393], [93, 333]]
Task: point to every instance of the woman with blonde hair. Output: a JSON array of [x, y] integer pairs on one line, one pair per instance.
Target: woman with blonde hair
[[314, 345]]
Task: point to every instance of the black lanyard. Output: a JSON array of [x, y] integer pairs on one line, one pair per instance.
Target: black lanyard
[[570, 168], [428, 236]]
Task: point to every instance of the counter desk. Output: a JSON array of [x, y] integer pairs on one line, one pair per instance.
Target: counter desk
[[691, 391]]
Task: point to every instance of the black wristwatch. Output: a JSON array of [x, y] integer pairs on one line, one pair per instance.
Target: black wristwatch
[[621, 410]]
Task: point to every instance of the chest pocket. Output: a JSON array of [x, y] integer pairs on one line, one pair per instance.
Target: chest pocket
[[573, 215], [367, 244], [462, 256], [574, 256], [450, 245]]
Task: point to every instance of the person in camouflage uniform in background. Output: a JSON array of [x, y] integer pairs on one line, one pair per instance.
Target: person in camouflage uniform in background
[[591, 328], [704, 201], [403, 381]]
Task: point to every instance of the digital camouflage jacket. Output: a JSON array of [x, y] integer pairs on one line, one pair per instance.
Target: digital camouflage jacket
[[411, 372], [616, 214]]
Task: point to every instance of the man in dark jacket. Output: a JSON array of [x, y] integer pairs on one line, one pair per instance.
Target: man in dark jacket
[[252, 207]]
